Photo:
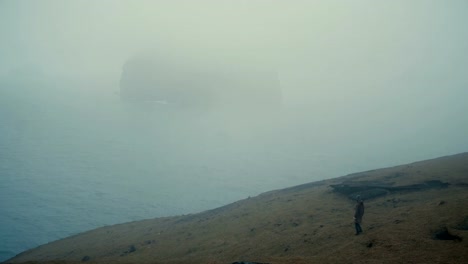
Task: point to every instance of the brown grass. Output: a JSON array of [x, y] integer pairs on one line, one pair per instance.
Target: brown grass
[[303, 224]]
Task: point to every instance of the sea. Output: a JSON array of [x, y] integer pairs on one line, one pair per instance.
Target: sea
[[74, 157]]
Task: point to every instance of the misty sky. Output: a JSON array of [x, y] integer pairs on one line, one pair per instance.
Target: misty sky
[[366, 71], [365, 84]]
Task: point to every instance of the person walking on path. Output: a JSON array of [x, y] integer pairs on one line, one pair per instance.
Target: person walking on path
[[358, 213]]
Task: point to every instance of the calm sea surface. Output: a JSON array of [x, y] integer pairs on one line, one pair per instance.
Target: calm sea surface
[[76, 159]]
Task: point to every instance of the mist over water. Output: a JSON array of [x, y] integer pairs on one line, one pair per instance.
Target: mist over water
[[78, 158], [74, 159], [364, 86]]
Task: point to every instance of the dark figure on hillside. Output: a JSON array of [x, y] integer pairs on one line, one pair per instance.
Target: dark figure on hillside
[[358, 213]]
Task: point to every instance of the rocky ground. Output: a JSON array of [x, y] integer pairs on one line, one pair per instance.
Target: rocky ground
[[415, 213]]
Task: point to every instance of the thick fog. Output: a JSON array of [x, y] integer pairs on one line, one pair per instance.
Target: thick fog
[[363, 85]]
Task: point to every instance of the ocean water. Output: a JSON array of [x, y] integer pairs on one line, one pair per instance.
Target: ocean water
[[74, 157]]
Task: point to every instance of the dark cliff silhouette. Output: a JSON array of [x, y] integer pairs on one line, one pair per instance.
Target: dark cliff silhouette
[[180, 85]]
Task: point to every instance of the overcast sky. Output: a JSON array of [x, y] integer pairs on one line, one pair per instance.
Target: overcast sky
[[314, 44], [366, 84], [362, 64]]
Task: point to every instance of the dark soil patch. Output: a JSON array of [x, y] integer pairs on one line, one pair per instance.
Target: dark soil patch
[[444, 234], [369, 190], [463, 225]]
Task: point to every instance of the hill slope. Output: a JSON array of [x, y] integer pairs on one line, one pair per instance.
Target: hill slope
[[418, 215]]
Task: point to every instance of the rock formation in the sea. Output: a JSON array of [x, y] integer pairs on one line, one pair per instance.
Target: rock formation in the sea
[[184, 84]]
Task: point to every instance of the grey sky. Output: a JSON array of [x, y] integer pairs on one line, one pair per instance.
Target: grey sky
[[331, 42], [366, 84], [350, 65]]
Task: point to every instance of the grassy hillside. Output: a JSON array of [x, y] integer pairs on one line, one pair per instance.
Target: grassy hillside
[[311, 223]]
